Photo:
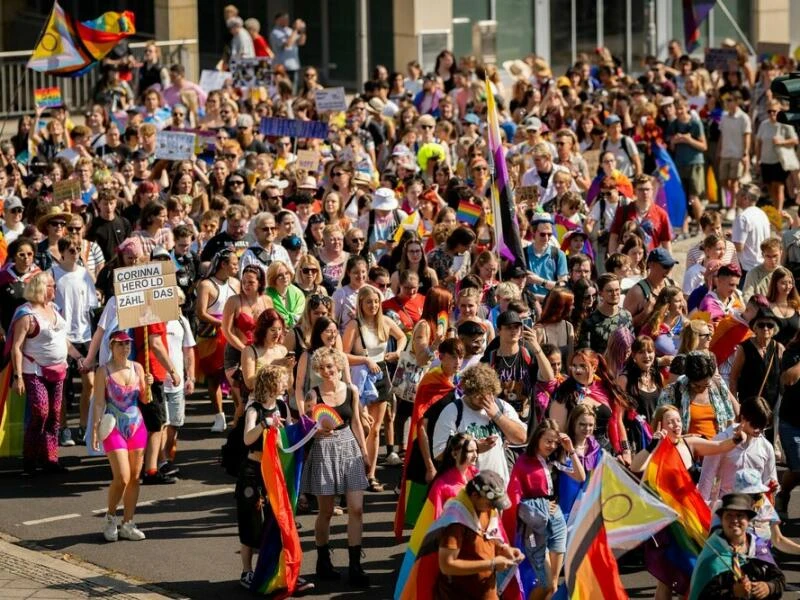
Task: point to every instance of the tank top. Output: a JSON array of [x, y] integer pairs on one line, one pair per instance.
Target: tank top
[[702, 420], [647, 402], [47, 347], [789, 328], [122, 401], [755, 372], [149, 75], [224, 291], [373, 347], [246, 325], [344, 410]]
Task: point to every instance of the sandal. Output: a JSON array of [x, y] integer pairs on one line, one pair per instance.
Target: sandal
[[337, 511], [375, 485]]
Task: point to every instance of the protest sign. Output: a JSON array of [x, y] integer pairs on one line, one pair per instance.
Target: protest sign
[[175, 145], [146, 294], [308, 160], [66, 190], [251, 72], [526, 194], [721, 59], [592, 158], [330, 100], [213, 80], [293, 128], [48, 97], [773, 52]]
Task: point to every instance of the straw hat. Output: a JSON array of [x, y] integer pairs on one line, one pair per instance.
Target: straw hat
[[53, 212], [517, 69]]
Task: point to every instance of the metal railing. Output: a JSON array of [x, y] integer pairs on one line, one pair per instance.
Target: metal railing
[[17, 83]]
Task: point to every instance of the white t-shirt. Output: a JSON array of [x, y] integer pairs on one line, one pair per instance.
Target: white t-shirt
[[610, 212], [75, 297], [13, 234], [750, 228], [479, 425], [179, 336], [693, 278], [733, 129], [108, 322]]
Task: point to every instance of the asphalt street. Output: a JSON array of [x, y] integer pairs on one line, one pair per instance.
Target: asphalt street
[[191, 549]]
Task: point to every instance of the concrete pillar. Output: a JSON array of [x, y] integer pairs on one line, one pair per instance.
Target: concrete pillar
[[410, 18], [175, 20], [771, 21]]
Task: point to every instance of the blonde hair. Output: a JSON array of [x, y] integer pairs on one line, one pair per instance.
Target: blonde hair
[[272, 272], [381, 330], [323, 354], [690, 336], [507, 289], [36, 288], [269, 381], [309, 260]]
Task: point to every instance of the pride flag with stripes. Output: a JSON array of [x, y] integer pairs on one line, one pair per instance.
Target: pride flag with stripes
[[506, 227]]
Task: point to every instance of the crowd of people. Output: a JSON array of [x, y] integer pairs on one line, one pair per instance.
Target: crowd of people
[[375, 285]]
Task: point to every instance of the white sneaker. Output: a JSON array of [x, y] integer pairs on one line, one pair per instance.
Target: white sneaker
[[394, 460], [219, 423], [129, 531], [65, 439], [110, 529]]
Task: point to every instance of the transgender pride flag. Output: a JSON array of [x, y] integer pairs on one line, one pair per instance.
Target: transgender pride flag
[[506, 228]]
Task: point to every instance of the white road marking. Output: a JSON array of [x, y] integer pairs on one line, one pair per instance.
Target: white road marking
[[51, 519], [206, 493]]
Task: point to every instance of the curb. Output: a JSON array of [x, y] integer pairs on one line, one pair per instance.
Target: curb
[[67, 573]]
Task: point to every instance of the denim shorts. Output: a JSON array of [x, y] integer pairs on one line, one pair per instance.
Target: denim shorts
[[790, 440], [176, 408], [541, 532]]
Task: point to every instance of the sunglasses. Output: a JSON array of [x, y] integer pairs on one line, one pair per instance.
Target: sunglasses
[[309, 271], [426, 126], [58, 223], [338, 174], [16, 210], [268, 228], [228, 156], [358, 240], [317, 299], [765, 325], [237, 182], [543, 234], [480, 169], [74, 229]]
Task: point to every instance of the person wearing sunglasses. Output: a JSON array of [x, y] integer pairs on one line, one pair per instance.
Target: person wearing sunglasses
[[54, 227], [265, 251], [12, 223], [775, 142], [756, 366], [16, 272], [308, 276]]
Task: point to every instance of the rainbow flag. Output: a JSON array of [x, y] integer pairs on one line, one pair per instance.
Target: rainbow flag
[[680, 544], [590, 569], [70, 48], [280, 556], [417, 578], [432, 388], [468, 212], [292, 437], [14, 415], [47, 97], [506, 227]]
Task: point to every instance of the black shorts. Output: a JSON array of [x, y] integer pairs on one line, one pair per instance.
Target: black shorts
[[154, 412], [773, 173]]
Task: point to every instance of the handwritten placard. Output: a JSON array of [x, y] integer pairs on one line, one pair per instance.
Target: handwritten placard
[[49, 97], [175, 145], [308, 160], [211, 80], [146, 294], [721, 59], [66, 190], [330, 100], [294, 128], [526, 194]]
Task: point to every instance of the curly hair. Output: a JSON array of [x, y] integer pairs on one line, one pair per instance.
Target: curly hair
[[325, 353], [271, 382], [479, 380]]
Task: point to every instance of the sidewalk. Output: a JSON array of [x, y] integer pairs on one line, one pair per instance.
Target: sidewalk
[[27, 573]]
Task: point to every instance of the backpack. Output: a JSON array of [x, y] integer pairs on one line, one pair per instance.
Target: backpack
[[553, 256], [234, 452], [793, 255], [261, 254]]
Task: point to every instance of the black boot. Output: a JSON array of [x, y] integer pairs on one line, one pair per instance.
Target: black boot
[[357, 575], [325, 570]]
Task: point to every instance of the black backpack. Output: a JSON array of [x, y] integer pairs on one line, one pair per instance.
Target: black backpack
[[234, 452]]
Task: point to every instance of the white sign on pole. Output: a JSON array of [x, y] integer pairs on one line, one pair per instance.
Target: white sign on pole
[[146, 294], [211, 80], [330, 100], [175, 145]]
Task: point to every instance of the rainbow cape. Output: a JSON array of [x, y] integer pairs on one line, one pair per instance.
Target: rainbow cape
[[70, 48], [14, 409], [433, 387], [417, 578], [506, 227], [280, 555], [670, 195], [728, 334], [679, 545]]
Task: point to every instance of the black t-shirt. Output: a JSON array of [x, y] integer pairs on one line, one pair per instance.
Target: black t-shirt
[[108, 234], [791, 393], [518, 374], [132, 213], [220, 241]]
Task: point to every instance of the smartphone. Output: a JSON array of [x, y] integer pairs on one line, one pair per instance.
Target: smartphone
[[527, 322]]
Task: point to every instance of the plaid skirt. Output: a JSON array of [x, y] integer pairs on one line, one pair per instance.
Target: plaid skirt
[[334, 466]]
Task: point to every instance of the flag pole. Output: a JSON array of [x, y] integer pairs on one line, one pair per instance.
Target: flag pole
[[15, 100]]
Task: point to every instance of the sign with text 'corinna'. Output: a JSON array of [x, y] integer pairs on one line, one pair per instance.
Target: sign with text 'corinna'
[[293, 128], [146, 294]]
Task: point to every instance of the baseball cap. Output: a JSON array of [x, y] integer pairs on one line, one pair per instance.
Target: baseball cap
[[662, 257], [533, 124], [490, 485], [244, 121], [281, 184], [509, 317], [472, 119], [612, 120], [12, 202], [121, 335]]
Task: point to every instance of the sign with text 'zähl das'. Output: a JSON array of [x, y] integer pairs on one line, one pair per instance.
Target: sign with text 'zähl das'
[[146, 294]]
